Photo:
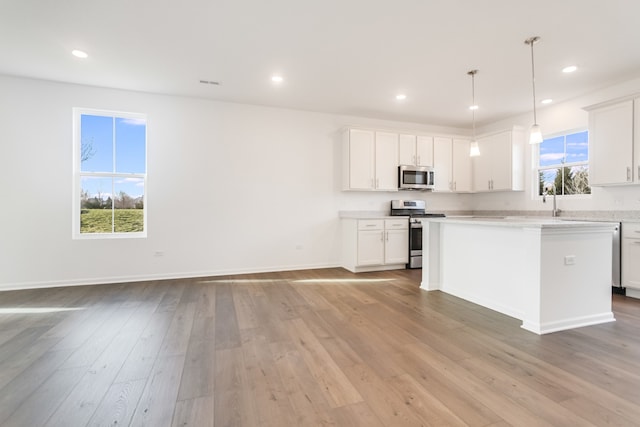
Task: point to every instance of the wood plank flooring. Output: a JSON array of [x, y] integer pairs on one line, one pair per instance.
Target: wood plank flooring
[[304, 348]]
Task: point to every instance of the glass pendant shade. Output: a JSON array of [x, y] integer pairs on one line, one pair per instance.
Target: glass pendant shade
[[535, 137], [474, 149]]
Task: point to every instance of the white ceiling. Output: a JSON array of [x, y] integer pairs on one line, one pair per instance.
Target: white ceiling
[[339, 56]]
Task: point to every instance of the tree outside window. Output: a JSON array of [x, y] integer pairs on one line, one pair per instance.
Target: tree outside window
[[564, 164]]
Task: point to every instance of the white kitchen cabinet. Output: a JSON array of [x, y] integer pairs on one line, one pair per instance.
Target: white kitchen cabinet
[[461, 166], [442, 159], [452, 165], [386, 151], [612, 143], [396, 244], [630, 257], [500, 166], [374, 244], [370, 160], [415, 150]]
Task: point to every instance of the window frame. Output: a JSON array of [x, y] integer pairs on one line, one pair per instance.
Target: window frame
[[536, 165], [78, 174]]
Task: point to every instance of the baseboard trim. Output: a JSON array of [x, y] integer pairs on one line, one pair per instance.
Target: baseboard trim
[[163, 276]]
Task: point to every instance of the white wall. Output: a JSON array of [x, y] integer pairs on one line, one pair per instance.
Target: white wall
[[556, 119], [231, 188]]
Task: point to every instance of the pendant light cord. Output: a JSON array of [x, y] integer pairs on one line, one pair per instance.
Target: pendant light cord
[[473, 102], [531, 42]]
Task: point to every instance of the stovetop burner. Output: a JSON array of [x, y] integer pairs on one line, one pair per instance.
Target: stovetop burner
[[412, 208]]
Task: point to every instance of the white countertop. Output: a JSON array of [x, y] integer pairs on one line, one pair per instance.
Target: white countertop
[[368, 215], [519, 222]]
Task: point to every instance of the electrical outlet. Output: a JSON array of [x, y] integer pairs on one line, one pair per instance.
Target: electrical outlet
[[570, 260]]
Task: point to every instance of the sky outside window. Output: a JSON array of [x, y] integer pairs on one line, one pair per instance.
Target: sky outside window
[[100, 135]]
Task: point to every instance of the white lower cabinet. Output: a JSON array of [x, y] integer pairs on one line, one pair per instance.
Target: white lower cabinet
[[374, 244], [630, 257]]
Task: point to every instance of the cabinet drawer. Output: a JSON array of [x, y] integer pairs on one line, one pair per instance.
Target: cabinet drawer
[[631, 230], [396, 224], [370, 224]]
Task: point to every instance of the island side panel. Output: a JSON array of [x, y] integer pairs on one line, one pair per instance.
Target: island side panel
[[576, 278], [430, 255], [488, 265]]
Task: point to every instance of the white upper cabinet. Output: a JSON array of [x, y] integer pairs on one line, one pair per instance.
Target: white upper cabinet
[[370, 160], [461, 166], [416, 150], [612, 143], [386, 161], [452, 165], [442, 162], [500, 166]]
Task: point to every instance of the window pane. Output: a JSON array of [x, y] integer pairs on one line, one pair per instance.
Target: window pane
[[547, 177], [577, 147], [96, 143], [577, 180], [552, 151], [130, 145], [96, 205], [129, 205]]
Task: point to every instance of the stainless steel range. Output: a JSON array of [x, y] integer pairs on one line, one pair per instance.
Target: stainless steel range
[[414, 209]]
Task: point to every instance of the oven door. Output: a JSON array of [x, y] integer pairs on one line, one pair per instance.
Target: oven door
[[415, 245]]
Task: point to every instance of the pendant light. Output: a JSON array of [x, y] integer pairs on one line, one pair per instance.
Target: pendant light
[[535, 137], [474, 149]]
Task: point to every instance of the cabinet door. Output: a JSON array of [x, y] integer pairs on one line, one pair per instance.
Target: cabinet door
[[407, 150], [493, 168], [386, 165], [500, 161], [361, 159], [442, 163], [371, 247], [482, 167], [630, 265], [461, 166], [396, 247], [424, 150], [611, 144], [636, 140]]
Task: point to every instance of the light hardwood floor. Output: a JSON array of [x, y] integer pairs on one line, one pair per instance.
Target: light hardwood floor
[[305, 348]]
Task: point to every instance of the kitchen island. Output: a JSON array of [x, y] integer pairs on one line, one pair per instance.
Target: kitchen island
[[551, 274]]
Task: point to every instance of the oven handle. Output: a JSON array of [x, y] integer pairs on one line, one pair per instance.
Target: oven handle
[[416, 225]]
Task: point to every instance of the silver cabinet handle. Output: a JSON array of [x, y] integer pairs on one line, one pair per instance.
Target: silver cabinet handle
[[414, 160], [455, 185], [382, 236], [638, 175], [418, 163], [628, 174], [387, 236]]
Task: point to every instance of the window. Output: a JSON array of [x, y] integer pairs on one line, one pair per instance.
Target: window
[[564, 164], [110, 165]]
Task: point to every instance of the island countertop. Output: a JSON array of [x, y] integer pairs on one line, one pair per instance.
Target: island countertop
[[520, 222]]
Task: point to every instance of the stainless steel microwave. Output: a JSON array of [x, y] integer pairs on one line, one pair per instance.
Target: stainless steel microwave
[[415, 177]]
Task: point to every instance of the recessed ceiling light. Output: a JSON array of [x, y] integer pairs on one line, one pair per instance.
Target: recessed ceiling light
[[277, 79], [546, 101], [401, 97], [473, 107], [569, 69], [79, 54]]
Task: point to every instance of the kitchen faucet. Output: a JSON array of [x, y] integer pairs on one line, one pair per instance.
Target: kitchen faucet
[[555, 212]]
